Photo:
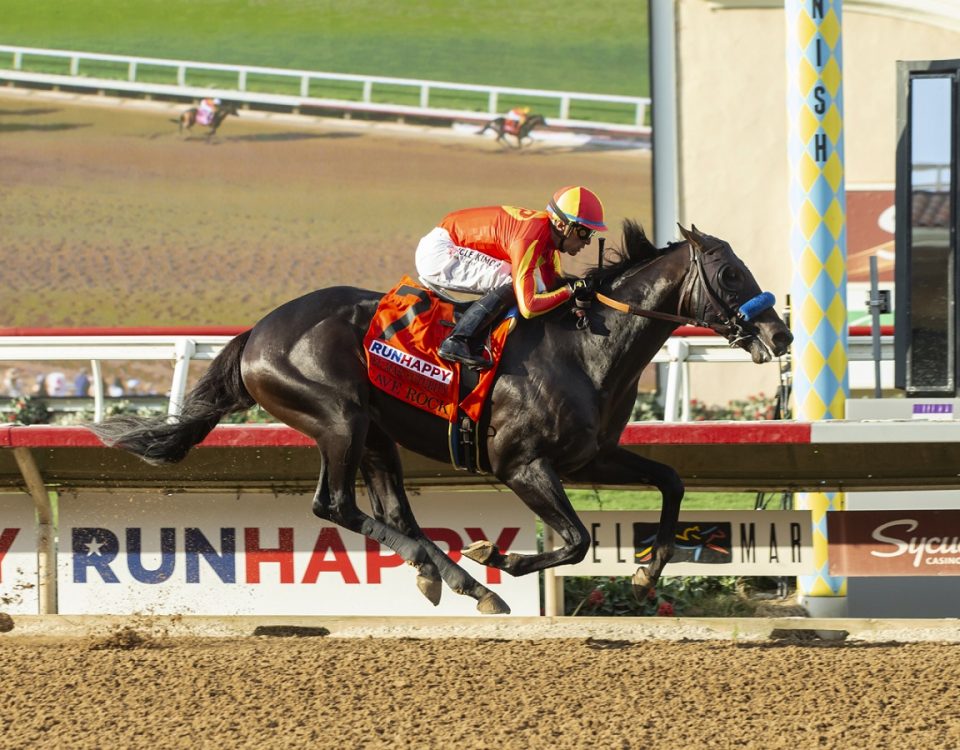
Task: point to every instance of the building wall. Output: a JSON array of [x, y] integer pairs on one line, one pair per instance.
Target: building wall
[[731, 80]]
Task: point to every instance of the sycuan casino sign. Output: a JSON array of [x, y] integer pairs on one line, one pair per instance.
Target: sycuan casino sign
[[894, 543]]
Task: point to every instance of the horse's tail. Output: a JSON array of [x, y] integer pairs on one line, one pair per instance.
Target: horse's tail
[[186, 118], [168, 439], [496, 124]]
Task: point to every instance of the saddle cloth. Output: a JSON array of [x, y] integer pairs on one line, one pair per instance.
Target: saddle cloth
[[401, 349]]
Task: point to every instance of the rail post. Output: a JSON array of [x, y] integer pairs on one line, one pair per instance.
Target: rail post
[[185, 349], [678, 350], [46, 534]]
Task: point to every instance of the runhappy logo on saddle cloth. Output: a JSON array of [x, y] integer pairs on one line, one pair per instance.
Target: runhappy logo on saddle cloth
[[401, 347]]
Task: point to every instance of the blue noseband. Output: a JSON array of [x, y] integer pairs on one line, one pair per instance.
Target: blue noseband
[[754, 307]]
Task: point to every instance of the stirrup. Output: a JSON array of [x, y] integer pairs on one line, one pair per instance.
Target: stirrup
[[459, 351]]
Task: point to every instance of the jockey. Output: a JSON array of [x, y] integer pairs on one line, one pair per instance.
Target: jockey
[[207, 109], [507, 254], [519, 114], [515, 118]]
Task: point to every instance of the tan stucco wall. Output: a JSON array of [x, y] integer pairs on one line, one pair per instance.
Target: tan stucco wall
[[731, 80]]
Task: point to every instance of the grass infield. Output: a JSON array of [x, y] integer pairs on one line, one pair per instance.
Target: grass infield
[[572, 46]]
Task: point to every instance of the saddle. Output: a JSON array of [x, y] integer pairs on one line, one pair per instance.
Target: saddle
[[512, 127], [401, 344]]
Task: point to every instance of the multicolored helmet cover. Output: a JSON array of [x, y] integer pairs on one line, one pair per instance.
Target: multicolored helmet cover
[[578, 205]]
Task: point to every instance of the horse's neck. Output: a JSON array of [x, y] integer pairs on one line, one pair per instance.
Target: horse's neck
[[634, 340]]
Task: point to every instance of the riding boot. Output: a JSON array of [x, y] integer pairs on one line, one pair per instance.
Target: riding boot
[[465, 343]]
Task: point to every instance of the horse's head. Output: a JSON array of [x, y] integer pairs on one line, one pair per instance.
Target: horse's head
[[722, 293]]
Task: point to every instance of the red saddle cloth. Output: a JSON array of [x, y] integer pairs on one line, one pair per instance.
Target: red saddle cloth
[[401, 348]]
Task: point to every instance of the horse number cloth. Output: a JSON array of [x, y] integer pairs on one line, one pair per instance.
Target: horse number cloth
[[401, 348]]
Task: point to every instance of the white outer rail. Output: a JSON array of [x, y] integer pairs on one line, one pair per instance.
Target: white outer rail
[[180, 350], [678, 353], [424, 88]]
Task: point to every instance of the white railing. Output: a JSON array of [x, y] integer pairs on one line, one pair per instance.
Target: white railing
[[678, 354], [681, 351], [180, 350], [368, 88]]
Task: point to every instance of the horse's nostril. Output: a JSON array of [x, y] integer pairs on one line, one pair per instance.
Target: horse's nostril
[[782, 341]]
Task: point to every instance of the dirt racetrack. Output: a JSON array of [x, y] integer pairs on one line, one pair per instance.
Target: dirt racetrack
[[125, 691], [111, 218]]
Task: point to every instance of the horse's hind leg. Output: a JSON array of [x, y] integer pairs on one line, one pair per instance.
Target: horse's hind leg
[[335, 499], [383, 474], [341, 439], [392, 507]]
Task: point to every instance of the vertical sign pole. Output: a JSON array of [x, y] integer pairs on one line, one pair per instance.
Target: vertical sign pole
[[818, 247]]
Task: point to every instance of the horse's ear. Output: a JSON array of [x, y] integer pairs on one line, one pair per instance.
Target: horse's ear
[[691, 235]]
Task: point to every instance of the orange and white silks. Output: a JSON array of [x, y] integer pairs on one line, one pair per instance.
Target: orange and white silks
[[520, 237]]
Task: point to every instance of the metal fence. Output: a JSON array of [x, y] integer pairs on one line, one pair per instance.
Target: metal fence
[[304, 89]]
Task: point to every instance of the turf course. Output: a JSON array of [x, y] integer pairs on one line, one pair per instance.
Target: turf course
[[564, 45]]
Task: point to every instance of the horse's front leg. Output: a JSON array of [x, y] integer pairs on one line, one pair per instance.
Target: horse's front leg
[[620, 466], [540, 488]]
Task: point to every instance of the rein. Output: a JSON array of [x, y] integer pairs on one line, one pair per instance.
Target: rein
[[736, 327], [634, 310]]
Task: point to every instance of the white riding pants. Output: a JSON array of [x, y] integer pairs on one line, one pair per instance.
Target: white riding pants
[[461, 269]]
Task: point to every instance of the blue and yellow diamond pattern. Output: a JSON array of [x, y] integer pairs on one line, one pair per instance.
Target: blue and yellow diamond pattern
[[818, 241]]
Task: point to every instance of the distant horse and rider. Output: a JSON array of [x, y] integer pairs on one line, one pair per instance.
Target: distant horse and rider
[[559, 400], [210, 113], [519, 122]]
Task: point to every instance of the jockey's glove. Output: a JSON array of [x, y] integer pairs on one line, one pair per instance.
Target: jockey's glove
[[582, 292]]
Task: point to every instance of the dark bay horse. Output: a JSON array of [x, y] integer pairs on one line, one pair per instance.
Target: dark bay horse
[[562, 396], [502, 127], [189, 118]]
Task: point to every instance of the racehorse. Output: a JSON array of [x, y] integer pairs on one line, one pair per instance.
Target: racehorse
[[504, 127], [563, 393], [189, 118]]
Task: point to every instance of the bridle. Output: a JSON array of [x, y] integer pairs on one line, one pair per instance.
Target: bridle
[[733, 324]]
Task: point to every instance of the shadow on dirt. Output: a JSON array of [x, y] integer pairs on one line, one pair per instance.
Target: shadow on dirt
[[10, 127], [292, 136], [548, 149], [264, 137], [28, 112]]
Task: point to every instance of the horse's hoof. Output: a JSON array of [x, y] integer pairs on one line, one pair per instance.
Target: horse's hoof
[[641, 584], [430, 588], [480, 552], [491, 604]]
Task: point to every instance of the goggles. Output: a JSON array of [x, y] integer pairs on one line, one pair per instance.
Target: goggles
[[584, 233]]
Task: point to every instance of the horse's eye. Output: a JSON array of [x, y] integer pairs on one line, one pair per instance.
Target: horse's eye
[[728, 277]]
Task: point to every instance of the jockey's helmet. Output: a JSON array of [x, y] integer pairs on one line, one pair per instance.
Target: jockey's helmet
[[217, 101], [577, 205]]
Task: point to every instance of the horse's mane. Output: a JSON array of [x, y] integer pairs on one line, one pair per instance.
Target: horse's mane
[[636, 249]]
